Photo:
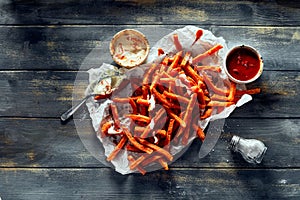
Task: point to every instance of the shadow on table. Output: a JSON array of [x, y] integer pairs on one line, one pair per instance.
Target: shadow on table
[[256, 181], [260, 184]]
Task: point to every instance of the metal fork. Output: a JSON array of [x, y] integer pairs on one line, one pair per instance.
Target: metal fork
[[66, 115]]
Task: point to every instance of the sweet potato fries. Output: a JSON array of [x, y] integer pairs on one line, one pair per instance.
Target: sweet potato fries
[[173, 96]]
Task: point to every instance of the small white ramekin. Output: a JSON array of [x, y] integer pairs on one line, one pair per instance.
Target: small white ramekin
[[129, 48], [250, 49]]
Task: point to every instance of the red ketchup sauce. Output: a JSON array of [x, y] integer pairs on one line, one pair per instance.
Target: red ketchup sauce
[[243, 64]]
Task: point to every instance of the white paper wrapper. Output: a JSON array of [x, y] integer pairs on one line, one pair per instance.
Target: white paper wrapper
[[186, 37]]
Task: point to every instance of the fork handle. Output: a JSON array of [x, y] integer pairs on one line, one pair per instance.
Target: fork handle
[[66, 115]]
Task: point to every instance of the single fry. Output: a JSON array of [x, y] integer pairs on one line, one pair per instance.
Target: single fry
[[133, 106], [210, 68], [185, 137], [191, 81], [141, 170], [207, 113], [130, 147], [156, 118], [199, 132], [167, 80], [192, 73], [138, 117], [176, 97], [232, 91], [163, 163], [157, 149], [176, 118], [135, 143], [188, 114], [186, 80], [185, 59], [154, 158], [159, 114], [115, 115], [155, 80], [117, 149], [217, 97], [150, 159], [161, 98], [121, 100], [209, 52], [146, 132], [250, 91], [213, 87], [169, 132], [176, 60], [149, 73], [161, 133], [176, 42], [104, 128], [144, 102], [219, 104], [200, 94], [137, 162]]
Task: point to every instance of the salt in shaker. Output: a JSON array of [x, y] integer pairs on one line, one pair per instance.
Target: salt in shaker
[[252, 150]]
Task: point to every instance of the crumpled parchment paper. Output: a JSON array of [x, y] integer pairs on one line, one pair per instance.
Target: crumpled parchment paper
[[186, 37]]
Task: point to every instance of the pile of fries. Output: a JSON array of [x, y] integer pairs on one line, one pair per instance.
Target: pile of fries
[[165, 108]]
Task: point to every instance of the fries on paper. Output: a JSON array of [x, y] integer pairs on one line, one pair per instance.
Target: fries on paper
[[169, 106]]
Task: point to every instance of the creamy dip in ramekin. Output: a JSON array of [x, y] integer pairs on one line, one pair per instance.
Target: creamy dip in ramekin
[[129, 48]]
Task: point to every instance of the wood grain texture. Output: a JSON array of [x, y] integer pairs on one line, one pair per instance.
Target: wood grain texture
[[46, 143], [150, 12], [42, 143], [49, 94], [33, 93], [43, 45], [175, 184], [67, 47]]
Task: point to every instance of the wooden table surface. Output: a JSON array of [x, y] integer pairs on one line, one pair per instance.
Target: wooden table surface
[[42, 46]]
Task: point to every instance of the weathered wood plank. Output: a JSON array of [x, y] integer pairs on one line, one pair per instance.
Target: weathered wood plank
[[66, 47], [40, 158], [56, 47], [48, 143], [175, 184], [49, 94], [150, 12], [35, 94]]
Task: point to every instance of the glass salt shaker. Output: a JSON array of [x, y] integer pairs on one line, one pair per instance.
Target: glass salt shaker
[[252, 150]]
